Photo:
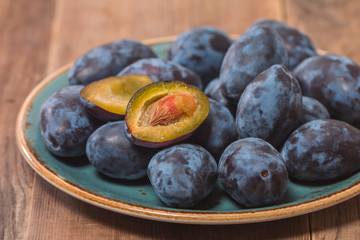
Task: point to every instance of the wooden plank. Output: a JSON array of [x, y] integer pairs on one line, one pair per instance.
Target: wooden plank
[[81, 25], [334, 27], [24, 45], [338, 222]]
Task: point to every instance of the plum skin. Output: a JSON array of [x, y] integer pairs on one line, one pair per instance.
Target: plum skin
[[270, 106], [112, 154], [107, 60], [312, 109], [213, 91], [162, 70], [65, 124], [100, 113], [253, 173], [334, 81], [202, 50], [298, 44], [253, 52], [322, 150], [182, 175], [217, 131]]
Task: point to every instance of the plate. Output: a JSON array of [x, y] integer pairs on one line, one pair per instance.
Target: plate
[[81, 180]]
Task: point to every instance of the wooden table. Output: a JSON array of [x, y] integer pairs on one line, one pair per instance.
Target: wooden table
[[37, 37]]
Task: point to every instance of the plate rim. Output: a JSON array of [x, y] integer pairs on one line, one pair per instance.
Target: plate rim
[[188, 217]]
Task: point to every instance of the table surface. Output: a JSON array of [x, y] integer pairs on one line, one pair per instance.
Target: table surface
[[37, 37]]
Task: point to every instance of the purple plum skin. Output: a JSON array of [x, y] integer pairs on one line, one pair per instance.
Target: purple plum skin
[[322, 150], [213, 91], [335, 82], [253, 173], [217, 131], [111, 153], [201, 50], [270, 106], [100, 113], [150, 144], [182, 175], [312, 109], [162, 70], [65, 124], [107, 60], [298, 44], [252, 53]]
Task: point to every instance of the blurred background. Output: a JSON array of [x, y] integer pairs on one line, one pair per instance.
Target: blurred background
[[39, 36]]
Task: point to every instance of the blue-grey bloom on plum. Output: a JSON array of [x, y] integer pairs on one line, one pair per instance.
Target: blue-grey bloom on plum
[[253, 52], [107, 60], [162, 70], [253, 173], [112, 154], [202, 50], [335, 82], [182, 175], [298, 44], [322, 150], [270, 106], [65, 124]]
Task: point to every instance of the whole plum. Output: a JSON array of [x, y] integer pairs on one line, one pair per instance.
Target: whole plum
[[182, 175], [270, 106], [217, 131], [107, 60], [253, 173], [213, 91], [298, 44], [335, 82], [322, 150], [162, 70], [201, 50], [65, 124], [253, 52], [312, 109], [112, 154]]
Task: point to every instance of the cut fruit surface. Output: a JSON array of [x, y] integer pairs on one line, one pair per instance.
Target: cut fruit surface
[[113, 94], [164, 113]]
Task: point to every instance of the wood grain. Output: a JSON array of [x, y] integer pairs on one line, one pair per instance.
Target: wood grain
[[37, 37], [24, 45], [334, 27]]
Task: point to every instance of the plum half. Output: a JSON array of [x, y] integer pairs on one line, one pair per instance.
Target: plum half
[[165, 113], [107, 99]]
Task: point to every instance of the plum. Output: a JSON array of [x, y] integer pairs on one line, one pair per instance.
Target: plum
[[322, 150], [162, 70], [312, 109], [182, 175], [107, 60], [213, 91], [253, 173], [65, 124], [107, 99], [112, 154], [270, 106], [253, 52], [217, 131], [201, 50], [334, 81], [164, 113], [298, 44]]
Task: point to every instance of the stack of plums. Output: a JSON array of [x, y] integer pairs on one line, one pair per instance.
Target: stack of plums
[[250, 113]]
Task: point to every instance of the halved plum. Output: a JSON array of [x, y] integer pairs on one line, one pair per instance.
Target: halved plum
[[165, 113], [107, 99]]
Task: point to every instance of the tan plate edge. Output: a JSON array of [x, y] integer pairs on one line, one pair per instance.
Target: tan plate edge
[[160, 214]]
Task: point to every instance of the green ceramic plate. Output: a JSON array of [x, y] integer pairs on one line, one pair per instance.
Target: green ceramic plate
[[137, 198]]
